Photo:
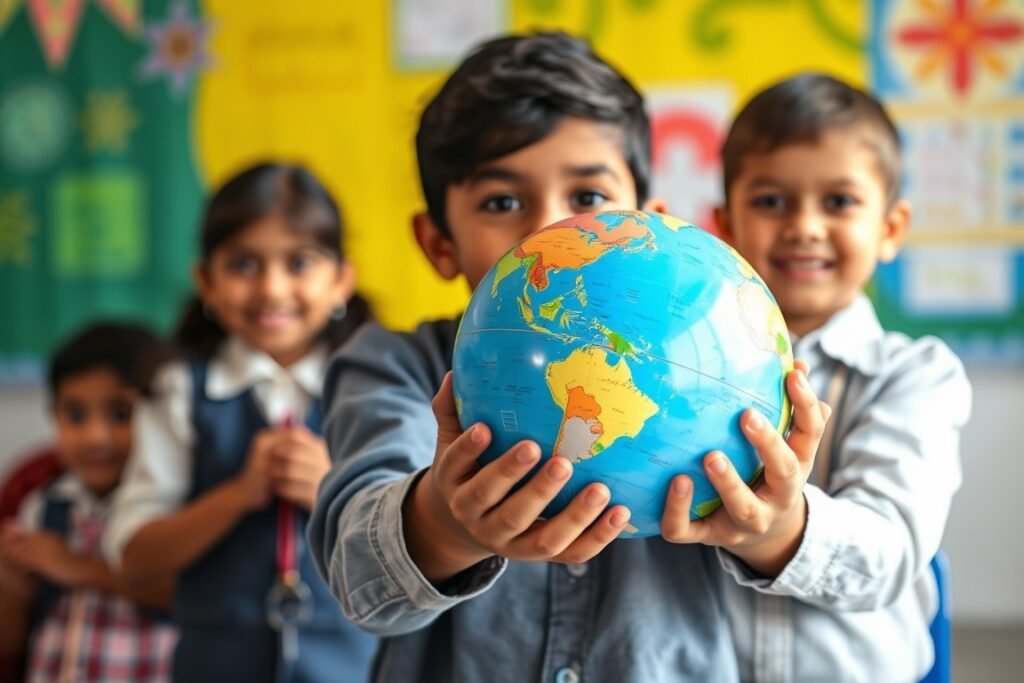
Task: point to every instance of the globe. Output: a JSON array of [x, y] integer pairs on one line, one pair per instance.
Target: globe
[[630, 343]]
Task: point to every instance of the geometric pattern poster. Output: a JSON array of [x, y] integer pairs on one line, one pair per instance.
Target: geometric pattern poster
[[952, 74]]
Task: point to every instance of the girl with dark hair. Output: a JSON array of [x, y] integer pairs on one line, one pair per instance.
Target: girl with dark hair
[[229, 453]]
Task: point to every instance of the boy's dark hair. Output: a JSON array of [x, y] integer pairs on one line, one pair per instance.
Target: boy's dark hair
[[511, 92], [125, 348], [800, 110], [259, 191]]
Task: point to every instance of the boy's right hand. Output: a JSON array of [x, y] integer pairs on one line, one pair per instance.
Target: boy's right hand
[[460, 512], [253, 483]]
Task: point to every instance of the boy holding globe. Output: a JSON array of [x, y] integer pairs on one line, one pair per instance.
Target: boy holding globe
[[439, 555], [812, 170]]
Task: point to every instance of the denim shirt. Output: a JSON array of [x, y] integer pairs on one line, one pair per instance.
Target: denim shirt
[[855, 602], [642, 610]]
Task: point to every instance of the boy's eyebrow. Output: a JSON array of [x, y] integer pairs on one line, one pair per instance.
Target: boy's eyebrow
[[759, 181], [508, 175], [590, 170], [493, 173]]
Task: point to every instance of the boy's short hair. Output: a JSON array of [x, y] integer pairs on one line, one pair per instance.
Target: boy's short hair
[[124, 348], [511, 92], [802, 108]]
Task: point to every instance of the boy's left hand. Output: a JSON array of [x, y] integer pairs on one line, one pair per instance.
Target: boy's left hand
[[298, 463], [763, 525], [39, 552]]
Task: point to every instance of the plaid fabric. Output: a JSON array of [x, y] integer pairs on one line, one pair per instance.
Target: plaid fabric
[[110, 641]]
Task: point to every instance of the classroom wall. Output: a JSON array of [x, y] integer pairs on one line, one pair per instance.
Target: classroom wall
[[339, 85], [982, 539]]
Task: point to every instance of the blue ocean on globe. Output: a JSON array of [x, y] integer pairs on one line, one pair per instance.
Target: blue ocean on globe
[[630, 343]]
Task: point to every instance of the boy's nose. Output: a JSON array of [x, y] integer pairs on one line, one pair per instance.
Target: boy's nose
[[96, 431], [550, 212], [807, 224]]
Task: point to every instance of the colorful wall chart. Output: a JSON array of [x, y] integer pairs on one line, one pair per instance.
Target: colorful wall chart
[[116, 116]]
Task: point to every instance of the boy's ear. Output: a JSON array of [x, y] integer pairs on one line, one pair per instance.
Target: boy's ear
[[894, 231], [723, 225], [436, 246], [656, 204]]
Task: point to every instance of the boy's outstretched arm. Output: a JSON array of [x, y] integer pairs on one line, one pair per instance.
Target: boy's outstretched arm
[[763, 525], [382, 434]]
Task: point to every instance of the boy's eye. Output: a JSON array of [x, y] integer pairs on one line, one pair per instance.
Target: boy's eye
[[768, 202], [74, 413], [839, 202], [120, 413], [299, 263], [501, 204], [243, 265], [589, 199]]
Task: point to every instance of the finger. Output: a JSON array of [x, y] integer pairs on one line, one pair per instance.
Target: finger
[[458, 462], [809, 417], [492, 483], [524, 507], [783, 472], [547, 541], [676, 526], [596, 538], [742, 505], [299, 437]]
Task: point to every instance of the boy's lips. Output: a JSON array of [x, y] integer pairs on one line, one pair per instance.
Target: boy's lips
[[804, 269]]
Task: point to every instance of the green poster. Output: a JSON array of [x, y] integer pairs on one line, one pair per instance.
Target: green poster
[[99, 194]]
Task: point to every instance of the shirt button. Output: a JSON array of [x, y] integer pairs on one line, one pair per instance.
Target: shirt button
[[567, 674], [577, 571]]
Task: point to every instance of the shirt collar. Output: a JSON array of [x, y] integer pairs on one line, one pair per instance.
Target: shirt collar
[[238, 367], [849, 336], [70, 488]]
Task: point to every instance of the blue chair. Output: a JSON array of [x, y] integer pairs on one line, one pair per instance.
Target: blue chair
[[942, 627]]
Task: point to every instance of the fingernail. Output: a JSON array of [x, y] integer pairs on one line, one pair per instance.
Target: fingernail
[[718, 465], [525, 455], [801, 378], [619, 519], [595, 497], [558, 470], [681, 487], [755, 422], [476, 435]]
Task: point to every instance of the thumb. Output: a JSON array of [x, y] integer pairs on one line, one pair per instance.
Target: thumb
[[448, 426]]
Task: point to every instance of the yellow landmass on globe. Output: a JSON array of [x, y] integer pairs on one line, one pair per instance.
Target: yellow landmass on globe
[[601, 402], [763, 320], [767, 328]]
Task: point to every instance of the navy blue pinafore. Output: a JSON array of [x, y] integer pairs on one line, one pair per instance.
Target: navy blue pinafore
[[220, 602]]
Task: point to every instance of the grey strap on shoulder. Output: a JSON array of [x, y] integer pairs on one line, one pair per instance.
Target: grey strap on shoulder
[[835, 396]]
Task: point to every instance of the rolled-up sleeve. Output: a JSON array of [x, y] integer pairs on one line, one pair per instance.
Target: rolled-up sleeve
[[157, 476], [872, 535], [381, 434]]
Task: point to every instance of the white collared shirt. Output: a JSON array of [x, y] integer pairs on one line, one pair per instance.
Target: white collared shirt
[[84, 503], [855, 602], [157, 478]]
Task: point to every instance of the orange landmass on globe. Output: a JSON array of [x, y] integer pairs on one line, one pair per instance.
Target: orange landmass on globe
[[587, 387], [568, 247]]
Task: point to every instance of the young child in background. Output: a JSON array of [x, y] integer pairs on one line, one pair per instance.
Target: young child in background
[[229, 457], [440, 555], [58, 596], [812, 182]]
